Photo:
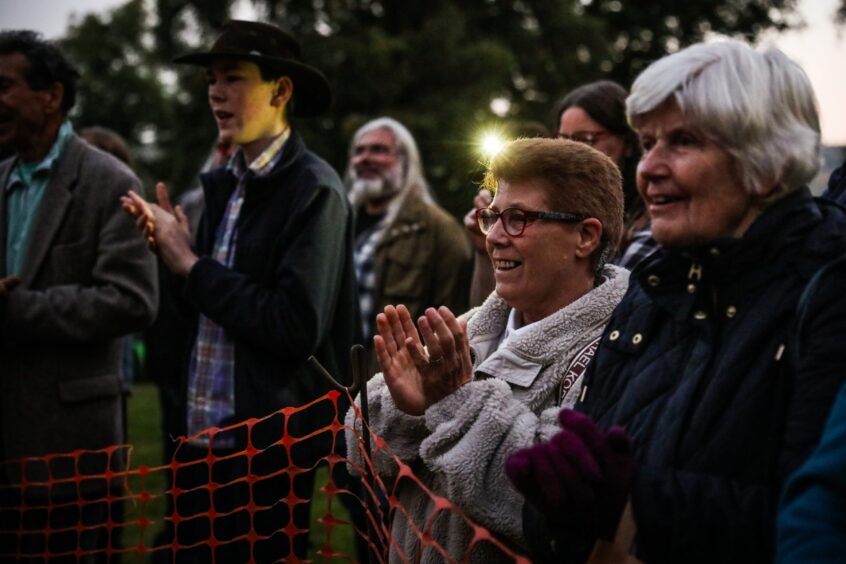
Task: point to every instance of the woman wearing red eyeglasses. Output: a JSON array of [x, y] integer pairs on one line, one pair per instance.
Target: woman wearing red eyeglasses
[[595, 115], [458, 395]]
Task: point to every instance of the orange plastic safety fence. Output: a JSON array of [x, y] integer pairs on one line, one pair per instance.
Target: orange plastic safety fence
[[225, 504]]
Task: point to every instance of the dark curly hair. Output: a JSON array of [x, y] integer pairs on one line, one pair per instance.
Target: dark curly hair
[[47, 64]]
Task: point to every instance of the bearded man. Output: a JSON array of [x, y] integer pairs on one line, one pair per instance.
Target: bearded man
[[408, 250]]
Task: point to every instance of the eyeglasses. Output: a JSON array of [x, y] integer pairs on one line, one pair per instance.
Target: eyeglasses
[[589, 138], [373, 149], [515, 220]]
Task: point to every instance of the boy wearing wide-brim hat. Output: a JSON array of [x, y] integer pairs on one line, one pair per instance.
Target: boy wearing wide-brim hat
[[269, 283]]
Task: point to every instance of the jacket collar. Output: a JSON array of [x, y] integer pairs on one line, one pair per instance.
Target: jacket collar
[[411, 217], [218, 184], [673, 277], [51, 212], [45, 165], [543, 343]]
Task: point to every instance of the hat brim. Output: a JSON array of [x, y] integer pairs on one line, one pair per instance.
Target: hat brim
[[312, 93]]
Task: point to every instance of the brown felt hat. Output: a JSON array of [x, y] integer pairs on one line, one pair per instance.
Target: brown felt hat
[[269, 46]]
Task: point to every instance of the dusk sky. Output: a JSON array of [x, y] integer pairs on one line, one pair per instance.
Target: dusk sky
[[820, 48]]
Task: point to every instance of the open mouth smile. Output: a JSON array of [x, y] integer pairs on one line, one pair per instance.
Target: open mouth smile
[[506, 264]]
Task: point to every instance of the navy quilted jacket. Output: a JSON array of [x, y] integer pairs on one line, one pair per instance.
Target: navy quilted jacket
[[698, 364]]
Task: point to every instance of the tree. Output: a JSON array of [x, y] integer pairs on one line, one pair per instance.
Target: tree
[[121, 87], [435, 65]]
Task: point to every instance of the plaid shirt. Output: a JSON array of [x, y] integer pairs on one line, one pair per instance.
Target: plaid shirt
[[364, 260], [641, 246], [211, 373]]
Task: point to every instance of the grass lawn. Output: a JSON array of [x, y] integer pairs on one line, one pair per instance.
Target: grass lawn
[[145, 437]]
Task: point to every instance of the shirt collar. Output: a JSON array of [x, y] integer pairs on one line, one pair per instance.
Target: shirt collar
[[514, 325], [24, 172], [265, 162]]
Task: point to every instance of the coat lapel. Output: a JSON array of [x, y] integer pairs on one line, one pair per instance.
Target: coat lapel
[[4, 178], [51, 211]]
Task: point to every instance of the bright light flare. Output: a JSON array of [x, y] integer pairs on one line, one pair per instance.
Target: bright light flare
[[491, 144]]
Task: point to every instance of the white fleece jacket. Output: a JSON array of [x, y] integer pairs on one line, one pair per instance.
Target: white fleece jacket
[[459, 446]]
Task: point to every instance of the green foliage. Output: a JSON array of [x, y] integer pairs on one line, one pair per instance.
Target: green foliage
[[642, 32], [435, 65], [120, 86]]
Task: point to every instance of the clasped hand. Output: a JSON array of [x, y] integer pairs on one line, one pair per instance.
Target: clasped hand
[[417, 375], [165, 228]]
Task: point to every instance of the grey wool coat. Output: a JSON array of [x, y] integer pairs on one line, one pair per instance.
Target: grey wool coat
[[459, 446], [87, 280]]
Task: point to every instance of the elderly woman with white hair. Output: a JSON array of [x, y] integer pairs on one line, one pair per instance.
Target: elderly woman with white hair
[[724, 357]]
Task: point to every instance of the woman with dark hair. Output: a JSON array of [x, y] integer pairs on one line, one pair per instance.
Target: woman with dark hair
[[595, 114]]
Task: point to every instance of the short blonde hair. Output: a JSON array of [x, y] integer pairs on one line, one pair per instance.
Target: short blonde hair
[[576, 178]]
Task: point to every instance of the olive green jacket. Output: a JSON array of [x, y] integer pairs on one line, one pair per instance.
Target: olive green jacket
[[423, 259]]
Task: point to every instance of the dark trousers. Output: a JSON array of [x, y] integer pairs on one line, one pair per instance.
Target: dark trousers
[[239, 509]]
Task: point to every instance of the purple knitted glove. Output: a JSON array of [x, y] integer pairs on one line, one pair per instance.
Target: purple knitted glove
[[580, 474]]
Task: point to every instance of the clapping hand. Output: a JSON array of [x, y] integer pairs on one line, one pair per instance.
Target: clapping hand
[[419, 376], [165, 228]]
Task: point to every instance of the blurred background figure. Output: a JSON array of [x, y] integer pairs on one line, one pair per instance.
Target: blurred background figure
[[696, 363], [595, 114], [111, 142], [107, 140], [408, 250], [493, 381]]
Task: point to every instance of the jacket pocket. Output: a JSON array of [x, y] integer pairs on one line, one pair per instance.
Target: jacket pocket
[[91, 388], [405, 271]]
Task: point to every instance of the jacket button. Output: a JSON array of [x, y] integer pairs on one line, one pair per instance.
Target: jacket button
[[653, 280], [691, 288], [700, 315], [715, 252], [614, 335], [731, 311], [637, 339]]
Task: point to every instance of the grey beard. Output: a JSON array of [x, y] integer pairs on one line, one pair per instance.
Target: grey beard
[[365, 190]]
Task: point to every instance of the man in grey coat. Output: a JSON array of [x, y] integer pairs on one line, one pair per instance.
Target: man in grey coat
[[74, 278]]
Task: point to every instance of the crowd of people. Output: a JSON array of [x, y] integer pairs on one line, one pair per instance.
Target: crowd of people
[[653, 339]]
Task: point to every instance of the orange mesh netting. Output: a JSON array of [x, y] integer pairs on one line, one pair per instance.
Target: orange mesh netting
[[95, 503]]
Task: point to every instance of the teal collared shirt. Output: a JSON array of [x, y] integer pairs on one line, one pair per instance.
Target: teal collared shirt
[[24, 192]]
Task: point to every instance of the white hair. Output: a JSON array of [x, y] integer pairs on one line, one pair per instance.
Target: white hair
[[758, 106], [413, 180]]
